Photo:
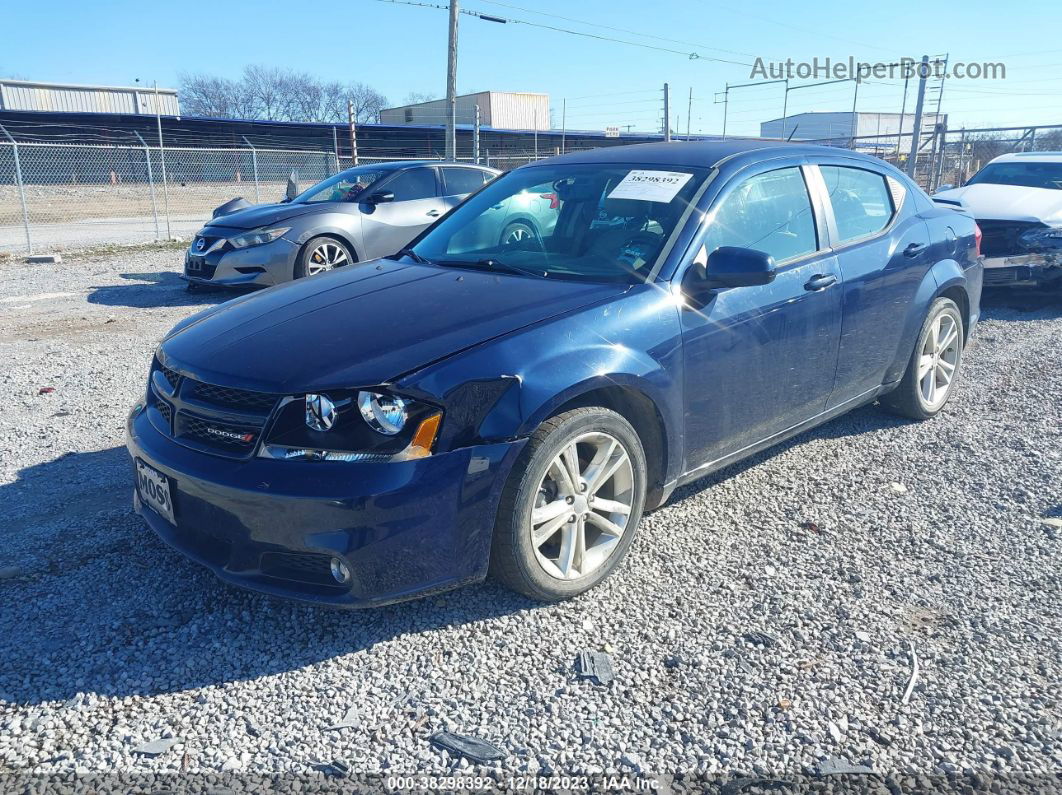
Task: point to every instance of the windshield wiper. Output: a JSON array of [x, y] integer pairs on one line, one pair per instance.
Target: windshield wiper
[[413, 255], [490, 264]]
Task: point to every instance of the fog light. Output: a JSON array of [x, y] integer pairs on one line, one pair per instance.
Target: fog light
[[340, 571]]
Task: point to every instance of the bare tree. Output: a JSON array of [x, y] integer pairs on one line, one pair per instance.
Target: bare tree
[[416, 97], [275, 94]]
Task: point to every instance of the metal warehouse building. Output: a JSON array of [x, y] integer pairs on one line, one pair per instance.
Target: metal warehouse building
[[843, 126], [72, 98], [502, 110]]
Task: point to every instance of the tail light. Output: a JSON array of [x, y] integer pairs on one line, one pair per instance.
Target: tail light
[[553, 198], [977, 239]]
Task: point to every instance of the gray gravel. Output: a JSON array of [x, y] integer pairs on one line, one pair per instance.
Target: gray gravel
[[763, 625]]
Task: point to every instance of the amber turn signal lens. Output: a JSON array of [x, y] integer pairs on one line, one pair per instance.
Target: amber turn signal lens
[[424, 438]]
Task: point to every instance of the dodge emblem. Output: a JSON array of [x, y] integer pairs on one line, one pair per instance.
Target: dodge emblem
[[320, 412]]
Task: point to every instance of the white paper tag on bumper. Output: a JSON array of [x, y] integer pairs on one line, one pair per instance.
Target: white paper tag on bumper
[[650, 186]]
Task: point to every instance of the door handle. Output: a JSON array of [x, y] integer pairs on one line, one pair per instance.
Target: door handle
[[433, 213], [914, 249], [820, 282]]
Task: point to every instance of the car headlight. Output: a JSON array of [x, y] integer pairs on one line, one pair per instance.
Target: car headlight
[[347, 425], [386, 414], [257, 237]]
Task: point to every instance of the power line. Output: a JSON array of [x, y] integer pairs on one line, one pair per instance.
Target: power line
[[617, 30], [693, 56]]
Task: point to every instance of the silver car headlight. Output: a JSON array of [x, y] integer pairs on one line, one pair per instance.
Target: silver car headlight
[[256, 237]]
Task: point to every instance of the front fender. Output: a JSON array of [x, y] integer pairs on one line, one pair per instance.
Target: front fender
[[345, 227], [505, 388]]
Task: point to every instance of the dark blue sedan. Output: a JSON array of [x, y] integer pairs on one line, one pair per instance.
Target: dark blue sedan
[[485, 403]]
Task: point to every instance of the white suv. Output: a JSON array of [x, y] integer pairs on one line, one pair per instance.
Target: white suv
[[1017, 201]]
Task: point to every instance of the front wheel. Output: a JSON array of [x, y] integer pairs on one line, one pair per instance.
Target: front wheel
[[571, 507], [933, 371], [321, 254]]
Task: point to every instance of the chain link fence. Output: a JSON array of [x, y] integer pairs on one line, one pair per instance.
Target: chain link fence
[[55, 196]]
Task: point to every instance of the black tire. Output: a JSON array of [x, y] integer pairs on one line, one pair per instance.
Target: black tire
[[518, 232], [907, 399], [302, 262], [513, 561]]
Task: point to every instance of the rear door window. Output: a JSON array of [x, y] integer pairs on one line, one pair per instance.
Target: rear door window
[[416, 183], [459, 181], [862, 204]]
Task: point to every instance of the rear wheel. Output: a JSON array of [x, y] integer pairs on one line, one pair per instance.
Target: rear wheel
[[933, 371], [571, 507], [322, 254]]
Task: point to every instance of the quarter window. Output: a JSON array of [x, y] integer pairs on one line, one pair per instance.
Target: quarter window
[[860, 199], [769, 212], [417, 183]]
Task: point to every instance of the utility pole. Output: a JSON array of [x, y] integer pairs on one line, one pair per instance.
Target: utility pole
[[451, 86], [564, 123], [916, 129], [353, 133], [162, 157], [689, 113], [667, 114]]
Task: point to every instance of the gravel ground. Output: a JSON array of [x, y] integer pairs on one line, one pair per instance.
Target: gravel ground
[[766, 622]]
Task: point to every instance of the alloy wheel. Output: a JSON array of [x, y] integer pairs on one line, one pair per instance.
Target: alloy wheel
[[517, 234], [325, 257], [938, 360], [582, 507]]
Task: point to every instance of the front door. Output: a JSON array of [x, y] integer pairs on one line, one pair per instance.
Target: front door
[[389, 226], [761, 359]]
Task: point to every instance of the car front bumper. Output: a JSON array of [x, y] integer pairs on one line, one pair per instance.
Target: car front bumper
[[265, 265], [403, 529], [1025, 270]]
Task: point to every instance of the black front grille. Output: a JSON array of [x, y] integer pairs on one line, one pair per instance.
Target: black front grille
[[199, 268], [1002, 238], [234, 398], [216, 433], [220, 419], [171, 376], [164, 409]]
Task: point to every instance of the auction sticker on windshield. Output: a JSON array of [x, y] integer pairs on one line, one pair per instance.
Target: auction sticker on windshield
[[154, 488], [650, 186]]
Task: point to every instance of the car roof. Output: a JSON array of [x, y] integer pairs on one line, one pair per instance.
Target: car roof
[[697, 153], [1035, 157], [395, 165]]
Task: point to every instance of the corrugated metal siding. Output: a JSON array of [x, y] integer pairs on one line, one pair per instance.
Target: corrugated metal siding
[[514, 111], [498, 109], [20, 95]]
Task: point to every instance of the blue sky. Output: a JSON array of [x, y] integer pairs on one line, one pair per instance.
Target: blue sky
[[398, 49]]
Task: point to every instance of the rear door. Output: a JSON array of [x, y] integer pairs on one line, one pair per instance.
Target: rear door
[[388, 227], [882, 248]]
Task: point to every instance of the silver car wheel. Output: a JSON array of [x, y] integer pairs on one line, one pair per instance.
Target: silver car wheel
[[583, 505], [938, 360], [325, 257]]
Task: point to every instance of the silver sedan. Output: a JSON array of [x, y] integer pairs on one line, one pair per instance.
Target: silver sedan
[[359, 214]]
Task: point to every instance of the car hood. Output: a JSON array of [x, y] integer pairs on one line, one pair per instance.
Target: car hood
[[1007, 202], [363, 326], [263, 215]]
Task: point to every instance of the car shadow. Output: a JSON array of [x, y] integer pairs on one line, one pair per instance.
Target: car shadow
[[997, 300], [95, 603], [159, 288]]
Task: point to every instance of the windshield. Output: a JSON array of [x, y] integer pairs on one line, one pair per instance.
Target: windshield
[[594, 222], [1026, 175], [343, 187]]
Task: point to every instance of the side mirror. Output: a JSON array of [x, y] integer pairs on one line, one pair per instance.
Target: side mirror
[[727, 266], [383, 197]]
